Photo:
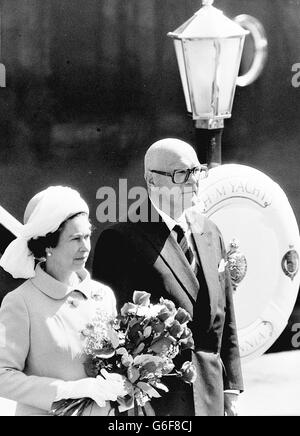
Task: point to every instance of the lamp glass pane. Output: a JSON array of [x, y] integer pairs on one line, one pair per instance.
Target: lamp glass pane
[[200, 58], [182, 70], [212, 68], [230, 57]]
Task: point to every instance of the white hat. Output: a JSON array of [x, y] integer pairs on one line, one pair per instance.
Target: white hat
[[44, 214]]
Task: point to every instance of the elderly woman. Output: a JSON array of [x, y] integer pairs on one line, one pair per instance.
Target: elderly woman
[[41, 346]]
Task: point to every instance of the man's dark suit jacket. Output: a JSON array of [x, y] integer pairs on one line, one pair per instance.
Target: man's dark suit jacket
[[145, 256]]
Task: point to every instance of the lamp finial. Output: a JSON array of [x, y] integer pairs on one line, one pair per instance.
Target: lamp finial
[[207, 2]]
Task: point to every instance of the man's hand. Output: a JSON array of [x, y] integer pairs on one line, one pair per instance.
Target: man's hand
[[230, 404]]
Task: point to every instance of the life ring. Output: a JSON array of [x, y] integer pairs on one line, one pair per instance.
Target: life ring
[[250, 207]]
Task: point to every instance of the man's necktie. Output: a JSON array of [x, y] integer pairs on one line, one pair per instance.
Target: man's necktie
[[182, 241]]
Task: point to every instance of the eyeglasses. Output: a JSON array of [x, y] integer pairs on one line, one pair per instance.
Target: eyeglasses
[[182, 176]]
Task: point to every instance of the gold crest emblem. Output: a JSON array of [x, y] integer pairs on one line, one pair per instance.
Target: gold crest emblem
[[237, 264], [290, 263]]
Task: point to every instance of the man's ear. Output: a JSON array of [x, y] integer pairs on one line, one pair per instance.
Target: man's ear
[[149, 180]]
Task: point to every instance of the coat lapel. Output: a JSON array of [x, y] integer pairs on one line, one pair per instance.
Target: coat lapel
[[164, 243], [207, 255], [177, 262]]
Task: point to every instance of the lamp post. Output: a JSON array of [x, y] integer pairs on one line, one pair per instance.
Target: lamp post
[[209, 48]]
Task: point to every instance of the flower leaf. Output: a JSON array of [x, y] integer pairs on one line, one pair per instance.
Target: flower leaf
[[161, 346], [133, 374], [104, 353], [114, 338], [121, 351], [149, 390], [147, 332], [139, 349], [161, 386]]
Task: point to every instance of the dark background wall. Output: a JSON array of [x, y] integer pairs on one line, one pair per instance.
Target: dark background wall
[[92, 83]]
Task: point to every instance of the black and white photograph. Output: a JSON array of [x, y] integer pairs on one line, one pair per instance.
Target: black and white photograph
[[149, 210]]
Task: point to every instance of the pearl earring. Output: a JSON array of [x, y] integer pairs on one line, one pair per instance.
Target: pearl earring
[[49, 254]]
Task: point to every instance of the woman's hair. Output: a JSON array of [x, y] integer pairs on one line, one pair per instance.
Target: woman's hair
[[38, 246]]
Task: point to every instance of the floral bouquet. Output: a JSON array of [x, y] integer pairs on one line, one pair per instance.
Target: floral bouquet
[[140, 344]]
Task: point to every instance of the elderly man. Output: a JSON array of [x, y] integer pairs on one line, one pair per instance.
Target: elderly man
[[179, 254]]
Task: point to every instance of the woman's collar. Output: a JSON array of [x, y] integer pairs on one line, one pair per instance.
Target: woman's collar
[[58, 290]]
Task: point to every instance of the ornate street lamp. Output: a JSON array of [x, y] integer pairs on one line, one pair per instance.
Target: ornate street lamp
[[209, 48]]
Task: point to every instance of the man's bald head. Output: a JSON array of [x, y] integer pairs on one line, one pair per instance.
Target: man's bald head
[[162, 159], [163, 155]]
